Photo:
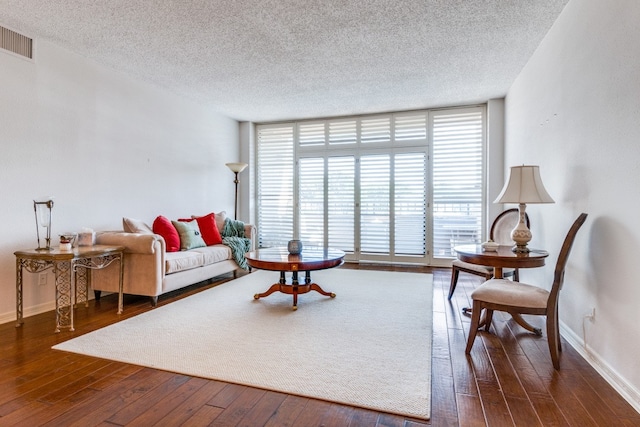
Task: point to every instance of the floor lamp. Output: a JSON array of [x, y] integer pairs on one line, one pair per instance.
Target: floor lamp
[[236, 168]]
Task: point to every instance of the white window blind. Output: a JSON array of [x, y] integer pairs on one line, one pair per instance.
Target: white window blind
[[311, 134], [410, 127], [312, 201], [458, 185], [410, 203], [375, 206], [341, 203], [342, 132], [401, 187], [275, 166], [375, 129]]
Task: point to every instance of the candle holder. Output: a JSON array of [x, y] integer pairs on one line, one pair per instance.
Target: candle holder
[[42, 210], [294, 247]]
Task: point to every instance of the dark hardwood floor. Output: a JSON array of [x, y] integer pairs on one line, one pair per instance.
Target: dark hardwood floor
[[507, 380]]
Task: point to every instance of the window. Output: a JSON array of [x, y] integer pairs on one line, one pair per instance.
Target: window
[[458, 179], [275, 185], [401, 187]]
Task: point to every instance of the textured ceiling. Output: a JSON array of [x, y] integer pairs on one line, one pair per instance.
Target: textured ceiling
[[277, 60]]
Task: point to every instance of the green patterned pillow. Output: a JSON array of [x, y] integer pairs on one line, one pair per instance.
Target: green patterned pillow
[[190, 236]]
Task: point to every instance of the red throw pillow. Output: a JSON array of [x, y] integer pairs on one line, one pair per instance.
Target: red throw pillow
[[209, 229], [163, 227]]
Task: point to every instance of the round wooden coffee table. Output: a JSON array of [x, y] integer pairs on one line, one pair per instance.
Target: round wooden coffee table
[[279, 259]]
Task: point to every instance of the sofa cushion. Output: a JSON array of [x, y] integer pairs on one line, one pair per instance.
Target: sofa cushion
[[182, 260], [221, 217], [213, 254], [131, 225], [164, 227], [209, 229], [190, 236]]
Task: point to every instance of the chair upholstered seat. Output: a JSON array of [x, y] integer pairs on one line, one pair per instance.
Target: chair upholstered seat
[[507, 292]]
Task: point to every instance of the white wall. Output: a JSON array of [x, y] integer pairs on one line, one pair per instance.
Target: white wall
[[105, 146], [575, 111]]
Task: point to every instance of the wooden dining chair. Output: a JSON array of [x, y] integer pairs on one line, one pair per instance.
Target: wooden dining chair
[[500, 233], [518, 298]]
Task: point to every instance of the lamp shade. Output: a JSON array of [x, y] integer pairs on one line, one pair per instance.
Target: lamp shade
[[524, 186], [236, 167]]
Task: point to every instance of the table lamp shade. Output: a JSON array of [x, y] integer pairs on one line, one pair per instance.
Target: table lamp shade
[[524, 186]]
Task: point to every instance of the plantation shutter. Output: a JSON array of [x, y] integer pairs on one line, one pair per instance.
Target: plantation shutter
[[375, 206], [399, 187], [341, 203], [275, 186], [312, 201], [410, 203], [458, 143]]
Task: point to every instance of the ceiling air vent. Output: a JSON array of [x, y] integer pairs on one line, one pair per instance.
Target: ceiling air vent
[[16, 43]]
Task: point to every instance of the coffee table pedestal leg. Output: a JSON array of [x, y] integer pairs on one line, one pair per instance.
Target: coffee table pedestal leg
[[295, 288]]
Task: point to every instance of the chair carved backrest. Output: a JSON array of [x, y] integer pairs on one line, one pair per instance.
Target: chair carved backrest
[[503, 224], [563, 256]]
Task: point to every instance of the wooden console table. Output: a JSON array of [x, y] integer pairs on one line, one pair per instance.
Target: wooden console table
[[72, 276]]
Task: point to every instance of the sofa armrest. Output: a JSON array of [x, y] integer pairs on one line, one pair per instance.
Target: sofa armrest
[[135, 243], [251, 232], [144, 264]]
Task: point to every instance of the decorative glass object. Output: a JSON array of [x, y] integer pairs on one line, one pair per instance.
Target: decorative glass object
[[42, 209], [294, 247]]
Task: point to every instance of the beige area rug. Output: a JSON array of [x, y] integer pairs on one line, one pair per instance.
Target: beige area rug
[[369, 347]]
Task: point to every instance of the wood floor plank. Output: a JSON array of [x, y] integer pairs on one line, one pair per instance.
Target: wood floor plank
[[168, 398], [50, 412], [288, 411], [522, 411], [68, 385], [470, 410], [363, 417], [548, 412], [119, 373], [389, 420], [110, 401], [236, 411], [495, 406], [464, 376], [226, 396], [204, 416], [263, 410], [191, 405], [337, 416], [314, 410], [507, 380], [135, 407]]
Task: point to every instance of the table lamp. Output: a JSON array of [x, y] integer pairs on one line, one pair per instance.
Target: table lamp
[[523, 186], [236, 168]]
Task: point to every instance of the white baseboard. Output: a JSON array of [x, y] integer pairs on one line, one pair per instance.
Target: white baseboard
[[29, 311], [626, 390]]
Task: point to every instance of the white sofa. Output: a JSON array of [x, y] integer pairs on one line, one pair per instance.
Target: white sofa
[[152, 271]]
